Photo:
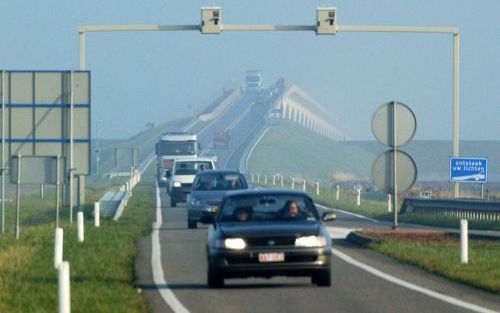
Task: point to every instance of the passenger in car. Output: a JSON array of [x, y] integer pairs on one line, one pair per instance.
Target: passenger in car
[[242, 214]]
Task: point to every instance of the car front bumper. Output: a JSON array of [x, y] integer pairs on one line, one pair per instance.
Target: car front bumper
[[179, 194], [245, 263]]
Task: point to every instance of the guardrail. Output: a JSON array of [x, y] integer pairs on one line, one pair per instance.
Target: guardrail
[[485, 210]]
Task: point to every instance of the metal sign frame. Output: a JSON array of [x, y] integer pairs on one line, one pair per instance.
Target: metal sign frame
[[454, 31], [42, 113]]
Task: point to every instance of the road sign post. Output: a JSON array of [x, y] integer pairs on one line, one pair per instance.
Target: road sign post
[[18, 194], [394, 125], [2, 167]]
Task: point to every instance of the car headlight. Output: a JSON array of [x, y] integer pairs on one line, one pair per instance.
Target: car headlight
[[163, 179], [231, 243], [310, 241], [177, 183]]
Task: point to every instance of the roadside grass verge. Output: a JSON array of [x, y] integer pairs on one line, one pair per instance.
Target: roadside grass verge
[[291, 149], [101, 268], [443, 258]]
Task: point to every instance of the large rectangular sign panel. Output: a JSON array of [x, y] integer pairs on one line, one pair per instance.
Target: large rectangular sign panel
[[37, 170], [36, 111], [468, 170]]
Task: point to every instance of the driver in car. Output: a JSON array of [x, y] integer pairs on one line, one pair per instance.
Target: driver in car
[[291, 210]]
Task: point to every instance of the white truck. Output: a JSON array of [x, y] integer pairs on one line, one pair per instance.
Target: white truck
[[182, 175], [172, 146]]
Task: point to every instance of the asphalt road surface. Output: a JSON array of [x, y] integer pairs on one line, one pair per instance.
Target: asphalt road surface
[[353, 289], [171, 265], [242, 119]]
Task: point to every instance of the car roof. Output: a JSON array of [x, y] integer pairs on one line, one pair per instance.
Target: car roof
[[209, 172], [193, 159], [264, 192]]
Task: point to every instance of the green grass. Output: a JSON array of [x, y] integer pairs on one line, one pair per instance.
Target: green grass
[[483, 270], [291, 149], [101, 267]]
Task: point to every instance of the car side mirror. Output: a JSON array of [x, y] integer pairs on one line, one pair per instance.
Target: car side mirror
[[207, 219], [328, 217]]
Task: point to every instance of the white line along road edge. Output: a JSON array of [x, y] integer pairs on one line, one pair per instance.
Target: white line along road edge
[[405, 284], [348, 213], [158, 275]]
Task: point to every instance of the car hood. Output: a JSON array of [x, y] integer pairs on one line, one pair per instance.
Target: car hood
[[184, 179], [208, 196], [247, 230]]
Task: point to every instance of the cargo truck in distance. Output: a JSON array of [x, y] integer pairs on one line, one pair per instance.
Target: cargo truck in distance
[[221, 138], [171, 146]]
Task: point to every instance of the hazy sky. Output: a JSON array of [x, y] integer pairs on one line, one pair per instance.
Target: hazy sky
[[142, 77]]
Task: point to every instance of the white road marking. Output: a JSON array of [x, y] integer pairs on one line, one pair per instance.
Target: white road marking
[[158, 275], [348, 213], [405, 284], [253, 147], [238, 119], [340, 232]]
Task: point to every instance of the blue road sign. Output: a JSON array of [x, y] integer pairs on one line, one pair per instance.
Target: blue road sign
[[468, 170]]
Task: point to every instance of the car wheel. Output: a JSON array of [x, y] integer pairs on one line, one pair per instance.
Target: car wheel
[[214, 279], [192, 224], [321, 278], [173, 203]]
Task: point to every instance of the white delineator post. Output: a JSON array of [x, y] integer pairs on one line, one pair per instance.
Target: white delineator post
[[293, 182], [63, 289], [464, 245], [304, 186], [337, 195], [265, 180], [281, 180], [97, 214], [274, 180], [317, 188], [58, 247], [80, 226], [258, 178], [389, 203], [358, 196]]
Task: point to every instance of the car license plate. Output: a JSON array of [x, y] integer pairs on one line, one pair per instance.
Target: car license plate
[[271, 257]]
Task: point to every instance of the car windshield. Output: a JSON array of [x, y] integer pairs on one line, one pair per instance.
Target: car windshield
[[191, 167], [268, 208], [220, 182], [177, 148]]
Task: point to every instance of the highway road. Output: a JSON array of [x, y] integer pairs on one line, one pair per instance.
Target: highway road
[[242, 119], [354, 289], [171, 264]]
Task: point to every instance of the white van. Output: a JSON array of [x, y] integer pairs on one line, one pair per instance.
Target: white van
[[182, 176]]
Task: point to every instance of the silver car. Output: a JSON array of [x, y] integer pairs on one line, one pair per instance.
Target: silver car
[[208, 189]]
